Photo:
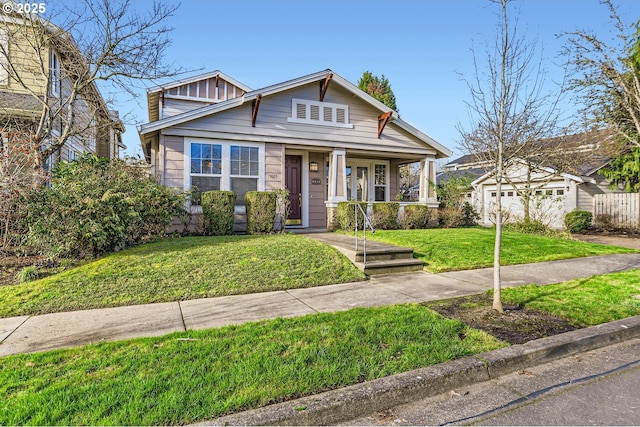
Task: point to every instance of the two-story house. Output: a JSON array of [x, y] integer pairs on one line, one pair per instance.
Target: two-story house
[[319, 136], [41, 100]]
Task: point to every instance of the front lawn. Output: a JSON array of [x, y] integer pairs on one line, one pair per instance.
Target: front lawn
[[187, 377], [198, 375], [449, 249], [181, 269]]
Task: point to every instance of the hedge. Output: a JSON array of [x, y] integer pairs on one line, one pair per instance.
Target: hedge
[[416, 216], [385, 215], [218, 212], [346, 215], [261, 211]]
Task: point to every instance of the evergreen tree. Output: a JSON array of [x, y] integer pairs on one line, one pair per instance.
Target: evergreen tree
[[379, 88]]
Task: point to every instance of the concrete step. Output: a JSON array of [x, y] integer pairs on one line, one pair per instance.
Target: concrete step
[[384, 254], [390, 266]]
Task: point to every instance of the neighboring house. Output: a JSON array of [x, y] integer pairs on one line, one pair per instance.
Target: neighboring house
[[38, 63], [555, 192], [319, 136]]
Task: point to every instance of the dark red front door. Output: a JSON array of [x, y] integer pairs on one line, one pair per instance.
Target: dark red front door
[[293, 182]]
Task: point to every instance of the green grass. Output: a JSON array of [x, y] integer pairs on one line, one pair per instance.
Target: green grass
[[449, 249], [181, 269], [584, 302], [188, 377]]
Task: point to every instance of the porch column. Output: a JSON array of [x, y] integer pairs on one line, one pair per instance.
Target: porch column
[[427, 180], [337, 176]]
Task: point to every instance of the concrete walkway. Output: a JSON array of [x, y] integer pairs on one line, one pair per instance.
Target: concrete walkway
[[26, 334]]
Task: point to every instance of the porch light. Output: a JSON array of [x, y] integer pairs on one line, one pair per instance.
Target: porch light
[[313, 167]]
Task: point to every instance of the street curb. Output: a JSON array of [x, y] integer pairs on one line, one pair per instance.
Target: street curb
[[341, 405]]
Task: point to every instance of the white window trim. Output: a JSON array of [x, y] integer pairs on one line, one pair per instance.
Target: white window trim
[[188, 166], [371, 176], [308, 103], [225, 176]]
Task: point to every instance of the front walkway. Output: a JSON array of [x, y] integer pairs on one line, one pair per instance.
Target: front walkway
[[26, 334]]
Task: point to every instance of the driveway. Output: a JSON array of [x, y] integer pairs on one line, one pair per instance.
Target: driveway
[[624, 241]]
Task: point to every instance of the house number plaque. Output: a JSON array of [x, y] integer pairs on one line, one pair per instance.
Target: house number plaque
[[316, 181]]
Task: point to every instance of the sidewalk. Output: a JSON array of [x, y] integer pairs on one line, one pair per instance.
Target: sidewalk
[[26, 334]]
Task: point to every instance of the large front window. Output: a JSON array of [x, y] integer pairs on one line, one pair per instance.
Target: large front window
[[225, 166], [206, 166]]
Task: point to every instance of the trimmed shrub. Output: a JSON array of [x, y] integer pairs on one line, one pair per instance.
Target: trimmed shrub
[[461, 216], [385, 215], [261, 211], [578, 221], [415, 216], [94, 206], [218, 212], [283, 209], [346, 215]]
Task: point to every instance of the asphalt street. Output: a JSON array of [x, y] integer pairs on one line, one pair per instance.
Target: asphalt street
[[600, 387]]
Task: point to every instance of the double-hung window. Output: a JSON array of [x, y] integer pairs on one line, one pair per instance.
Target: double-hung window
[[206, 166], [225, 166], [244, 170]]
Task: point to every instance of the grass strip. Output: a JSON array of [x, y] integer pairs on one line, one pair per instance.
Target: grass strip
[[583, 302], [187, 377], [450, 249], [181, 269]]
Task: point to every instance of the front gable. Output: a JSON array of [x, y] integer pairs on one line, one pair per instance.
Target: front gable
[[320, 110]]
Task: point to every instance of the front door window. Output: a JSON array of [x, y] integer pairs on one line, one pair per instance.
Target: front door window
[[362, 189]]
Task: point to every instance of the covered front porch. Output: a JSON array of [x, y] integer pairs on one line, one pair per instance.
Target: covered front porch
[[318, 180]]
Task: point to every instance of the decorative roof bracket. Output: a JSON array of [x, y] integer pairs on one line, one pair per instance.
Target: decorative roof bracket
[[255, 106], [324, 85], [383, 119]]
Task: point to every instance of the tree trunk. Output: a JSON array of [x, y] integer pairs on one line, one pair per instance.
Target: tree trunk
[[497, 282]]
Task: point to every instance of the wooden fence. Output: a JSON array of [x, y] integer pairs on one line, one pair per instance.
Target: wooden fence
[[623, 208]]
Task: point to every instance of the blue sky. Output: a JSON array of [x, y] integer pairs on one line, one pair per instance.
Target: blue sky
[[421, 46]]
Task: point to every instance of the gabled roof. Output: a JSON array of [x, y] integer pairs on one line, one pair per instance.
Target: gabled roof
[[193, 79], [595, 141], [155, 92], [198, 113], [548, 170], [446, 175]]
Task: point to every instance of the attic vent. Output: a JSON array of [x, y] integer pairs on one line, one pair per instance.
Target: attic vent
[[319, 113], [328, 114], [315, 112], [301, 111]]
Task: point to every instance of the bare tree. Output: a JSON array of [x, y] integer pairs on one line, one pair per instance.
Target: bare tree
[[509, 112], [53, 70], [607, 76]]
